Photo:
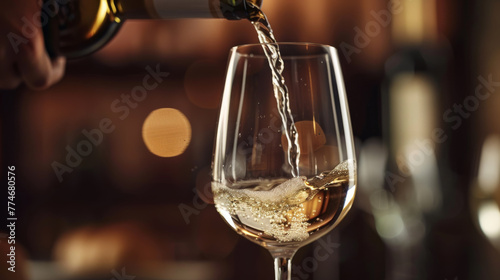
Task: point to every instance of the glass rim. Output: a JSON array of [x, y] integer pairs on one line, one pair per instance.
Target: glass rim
[[327, 49]]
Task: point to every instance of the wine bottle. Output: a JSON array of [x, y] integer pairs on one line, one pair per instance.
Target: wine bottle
[[411, 99], [75, 28], [412, 132], [413, 80]]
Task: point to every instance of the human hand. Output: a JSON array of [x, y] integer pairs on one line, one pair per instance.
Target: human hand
[[23, 58]]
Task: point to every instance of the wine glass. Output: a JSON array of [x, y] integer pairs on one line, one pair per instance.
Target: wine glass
[[284, 171]]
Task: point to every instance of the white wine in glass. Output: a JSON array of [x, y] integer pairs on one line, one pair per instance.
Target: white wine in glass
[[284, 170]]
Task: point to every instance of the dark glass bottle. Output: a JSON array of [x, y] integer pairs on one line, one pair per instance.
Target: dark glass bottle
[[75, 28]]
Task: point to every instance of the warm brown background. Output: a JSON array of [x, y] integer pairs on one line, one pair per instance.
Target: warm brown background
[[120, 207]]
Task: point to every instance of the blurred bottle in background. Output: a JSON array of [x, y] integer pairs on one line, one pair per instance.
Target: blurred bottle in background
[[412, 93], [484, 195]]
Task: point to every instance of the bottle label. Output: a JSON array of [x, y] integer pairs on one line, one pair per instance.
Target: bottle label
[[166, 9], [412, 110]]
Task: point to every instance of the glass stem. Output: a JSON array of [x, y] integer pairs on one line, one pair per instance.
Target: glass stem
[[282, 264], [282, 269]]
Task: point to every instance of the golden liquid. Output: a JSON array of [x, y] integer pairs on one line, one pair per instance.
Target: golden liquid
[[279, 212]]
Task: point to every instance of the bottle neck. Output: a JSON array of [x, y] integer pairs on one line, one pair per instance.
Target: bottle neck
[[172, 9], [416, 23], [132, 9]]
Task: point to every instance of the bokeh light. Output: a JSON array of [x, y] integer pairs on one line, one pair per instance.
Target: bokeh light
[[98, 249], [489, 215], [310, 137], [489, 166], [166, 132]]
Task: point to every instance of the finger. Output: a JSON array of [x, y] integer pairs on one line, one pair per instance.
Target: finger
[[36, 68]]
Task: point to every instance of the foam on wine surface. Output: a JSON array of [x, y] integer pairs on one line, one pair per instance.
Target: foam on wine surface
[[275, 212], [268, 190], [278, 211]]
